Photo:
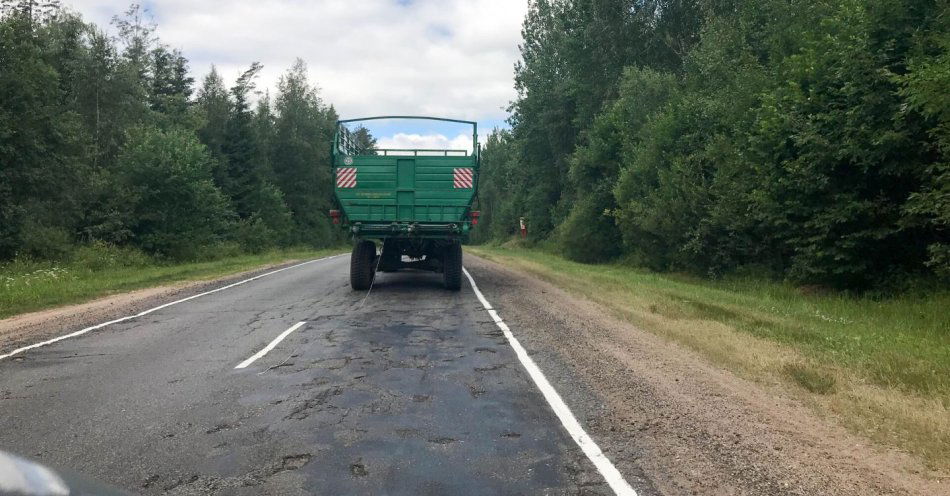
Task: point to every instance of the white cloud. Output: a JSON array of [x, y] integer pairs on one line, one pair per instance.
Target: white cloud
[[426, 141], [450, 58]]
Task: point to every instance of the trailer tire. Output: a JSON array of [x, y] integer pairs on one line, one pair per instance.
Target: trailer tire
[[362, 265], [390, 258], [452, 266]]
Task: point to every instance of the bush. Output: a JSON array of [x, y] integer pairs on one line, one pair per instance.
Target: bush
[[45, 242], [273, 214], [224, 249], [589, 234], [927, 90], [176, 208], [99, 255], [254, 235]]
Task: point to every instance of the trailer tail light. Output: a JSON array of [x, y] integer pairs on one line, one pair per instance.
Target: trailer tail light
[[475, 214], [335, 215]]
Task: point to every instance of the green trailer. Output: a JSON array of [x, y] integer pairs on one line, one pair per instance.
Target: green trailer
[[405, 208]]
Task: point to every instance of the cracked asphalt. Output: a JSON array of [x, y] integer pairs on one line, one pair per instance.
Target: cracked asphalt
[[415, 391]]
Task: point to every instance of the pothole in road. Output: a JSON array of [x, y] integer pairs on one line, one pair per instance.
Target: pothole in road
[[490, 368], [441, 440], [475, 390], [301, 411], [358, 469], [293, 462], [221, 427]]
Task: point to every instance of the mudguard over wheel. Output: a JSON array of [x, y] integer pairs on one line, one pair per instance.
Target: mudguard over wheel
[[362, 265], [452, 266]]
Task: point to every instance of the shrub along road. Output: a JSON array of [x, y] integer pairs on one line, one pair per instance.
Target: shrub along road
[[412, 390]]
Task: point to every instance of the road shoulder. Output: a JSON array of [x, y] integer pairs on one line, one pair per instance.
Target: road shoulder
[[32, 327], [665, 414]]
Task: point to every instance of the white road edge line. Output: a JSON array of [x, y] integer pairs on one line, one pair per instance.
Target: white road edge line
[[150, 310], [607, 469], [270, 346]]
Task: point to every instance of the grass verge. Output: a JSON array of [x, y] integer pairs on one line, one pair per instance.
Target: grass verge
[[880, 366], [94, 272]]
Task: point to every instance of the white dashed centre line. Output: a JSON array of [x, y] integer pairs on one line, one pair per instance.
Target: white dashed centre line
[[150, 310], [270, 346]]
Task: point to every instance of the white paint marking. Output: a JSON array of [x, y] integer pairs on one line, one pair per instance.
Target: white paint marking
[[270, 346], [150, 310], [495, 317], [480, 296], [613, 477]]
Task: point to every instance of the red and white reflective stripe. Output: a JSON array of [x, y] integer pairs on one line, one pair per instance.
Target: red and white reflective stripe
[[346, 177], [463, 178]]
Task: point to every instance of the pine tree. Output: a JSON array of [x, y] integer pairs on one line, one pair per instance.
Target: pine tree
[[214, 108], [363, 141], [171, 85], [300, 154]]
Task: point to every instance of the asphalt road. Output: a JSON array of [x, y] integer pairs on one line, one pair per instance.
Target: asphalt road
[[413, 391]]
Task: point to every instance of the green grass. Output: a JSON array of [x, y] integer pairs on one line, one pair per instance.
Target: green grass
[[812, 379], [902, 342], [93, 272], [871, 361]]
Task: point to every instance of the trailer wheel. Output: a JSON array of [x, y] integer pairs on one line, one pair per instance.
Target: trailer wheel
[[362, 265], [391, 258], [452, 266]]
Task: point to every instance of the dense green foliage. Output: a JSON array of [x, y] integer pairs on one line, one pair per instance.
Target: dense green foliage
[[106, 140], [807, 140]]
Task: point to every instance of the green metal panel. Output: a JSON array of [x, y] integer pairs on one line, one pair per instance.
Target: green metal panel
[[405, 174], [420, 189], [405, 187], [415, 186]]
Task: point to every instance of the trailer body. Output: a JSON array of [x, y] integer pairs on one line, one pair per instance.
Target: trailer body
[[412, 208]]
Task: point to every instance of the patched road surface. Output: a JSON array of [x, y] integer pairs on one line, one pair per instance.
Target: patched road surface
[[414, 390]]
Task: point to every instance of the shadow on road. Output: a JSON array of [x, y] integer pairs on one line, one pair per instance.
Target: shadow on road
[[407, 279]]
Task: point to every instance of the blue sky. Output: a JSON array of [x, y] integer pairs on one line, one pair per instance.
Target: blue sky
[[411, 133], [447, 58]]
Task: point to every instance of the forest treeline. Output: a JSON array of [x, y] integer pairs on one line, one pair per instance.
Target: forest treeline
[[108, 139], [806, 140]]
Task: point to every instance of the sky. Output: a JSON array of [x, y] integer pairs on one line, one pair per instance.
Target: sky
[[447, 58]]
